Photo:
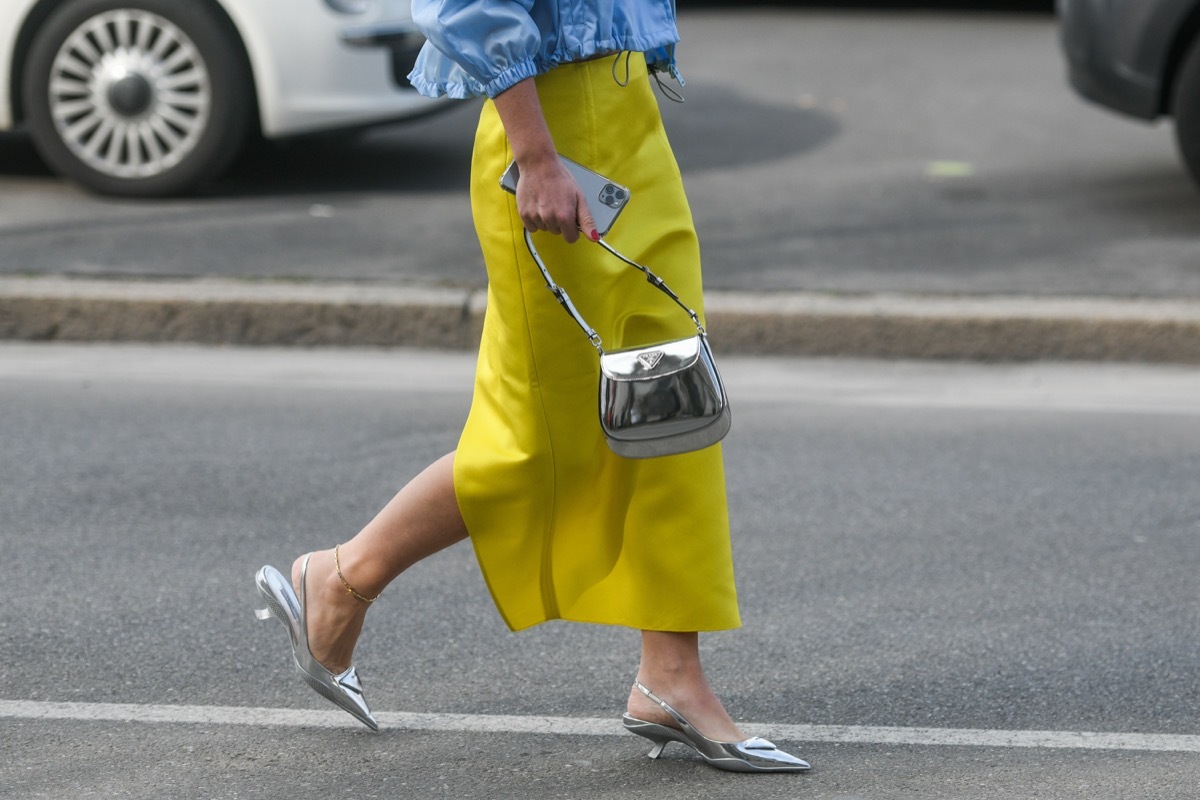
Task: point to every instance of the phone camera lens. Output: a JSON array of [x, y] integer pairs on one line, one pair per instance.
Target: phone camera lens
[[611, 196]]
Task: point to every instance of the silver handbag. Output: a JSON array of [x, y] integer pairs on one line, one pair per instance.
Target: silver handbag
[[659, 400]]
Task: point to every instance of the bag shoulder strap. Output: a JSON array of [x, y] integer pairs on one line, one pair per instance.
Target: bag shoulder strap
[[564, 299]]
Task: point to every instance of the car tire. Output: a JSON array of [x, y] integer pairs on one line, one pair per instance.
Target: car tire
[[1185, 105], [137, 98]]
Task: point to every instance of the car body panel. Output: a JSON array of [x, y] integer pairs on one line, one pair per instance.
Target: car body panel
[[13, 14], [1120, 52], [307, 75]]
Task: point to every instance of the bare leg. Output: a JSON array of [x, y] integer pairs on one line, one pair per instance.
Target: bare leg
[[420, 520], [671, 669]]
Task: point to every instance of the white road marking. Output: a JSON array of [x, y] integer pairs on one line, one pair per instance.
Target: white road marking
[[582, 726]]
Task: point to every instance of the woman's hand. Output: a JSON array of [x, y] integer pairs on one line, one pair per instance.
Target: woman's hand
[[548, 198]]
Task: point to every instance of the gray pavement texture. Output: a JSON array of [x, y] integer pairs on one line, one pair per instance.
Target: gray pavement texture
[[218, 763], [922, 544], [967, 207]]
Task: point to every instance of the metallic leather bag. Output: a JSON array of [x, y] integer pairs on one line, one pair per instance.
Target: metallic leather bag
[[658, 400]]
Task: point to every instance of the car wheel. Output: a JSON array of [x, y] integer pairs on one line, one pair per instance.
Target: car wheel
[[141, 98], [1185, 106]]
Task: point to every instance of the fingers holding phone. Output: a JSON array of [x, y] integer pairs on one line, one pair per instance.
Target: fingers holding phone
[[548, 199], [586, 201]]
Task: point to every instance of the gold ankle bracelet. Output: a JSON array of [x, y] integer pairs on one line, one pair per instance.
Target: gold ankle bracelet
[[337, 564]]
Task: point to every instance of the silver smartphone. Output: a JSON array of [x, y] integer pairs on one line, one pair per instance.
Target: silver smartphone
[[606, 199]]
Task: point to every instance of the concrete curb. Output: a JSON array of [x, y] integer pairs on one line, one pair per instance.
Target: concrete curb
[[211, 311]]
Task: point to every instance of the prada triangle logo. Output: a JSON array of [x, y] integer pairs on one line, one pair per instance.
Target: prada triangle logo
[[650, 359]]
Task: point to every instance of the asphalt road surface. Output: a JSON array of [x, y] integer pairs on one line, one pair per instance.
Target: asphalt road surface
[[848, 151], [957, 581]]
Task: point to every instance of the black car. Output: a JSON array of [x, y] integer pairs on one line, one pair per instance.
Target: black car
[[1141, 58]]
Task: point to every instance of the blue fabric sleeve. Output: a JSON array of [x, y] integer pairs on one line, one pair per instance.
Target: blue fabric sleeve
[[491, 45]]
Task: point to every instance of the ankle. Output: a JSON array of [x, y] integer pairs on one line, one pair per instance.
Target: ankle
[[672, 679]]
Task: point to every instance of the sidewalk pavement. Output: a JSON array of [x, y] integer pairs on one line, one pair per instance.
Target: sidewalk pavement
[[233, 312]]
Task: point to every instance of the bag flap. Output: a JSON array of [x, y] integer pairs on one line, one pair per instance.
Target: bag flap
[[655, 361]]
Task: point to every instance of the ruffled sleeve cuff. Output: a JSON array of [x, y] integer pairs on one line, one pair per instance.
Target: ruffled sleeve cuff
[[511, 77], [436, 75]]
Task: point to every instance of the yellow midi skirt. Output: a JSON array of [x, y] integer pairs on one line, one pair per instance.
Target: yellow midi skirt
[[562, 527]]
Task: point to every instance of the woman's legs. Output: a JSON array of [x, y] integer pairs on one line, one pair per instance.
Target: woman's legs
[[671, 669], [420, 520]]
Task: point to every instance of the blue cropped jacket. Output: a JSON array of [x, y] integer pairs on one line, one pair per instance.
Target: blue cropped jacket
[[482, 47]]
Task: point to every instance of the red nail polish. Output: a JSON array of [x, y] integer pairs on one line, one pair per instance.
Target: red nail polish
[[595, 236]]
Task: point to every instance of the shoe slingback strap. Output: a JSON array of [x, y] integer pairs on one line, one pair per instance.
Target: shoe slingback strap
[[675, 715]]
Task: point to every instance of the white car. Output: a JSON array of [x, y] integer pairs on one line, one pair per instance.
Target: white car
[[151, 97]]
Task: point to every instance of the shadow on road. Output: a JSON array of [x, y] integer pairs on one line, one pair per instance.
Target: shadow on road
[[18, 158], [719, 128], [432, 154]]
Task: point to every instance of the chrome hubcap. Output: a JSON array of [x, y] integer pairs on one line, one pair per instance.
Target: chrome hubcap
[[130, 94]]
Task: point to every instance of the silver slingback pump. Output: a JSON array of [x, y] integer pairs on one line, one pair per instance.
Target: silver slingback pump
[[344, 689], [752, 755]]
